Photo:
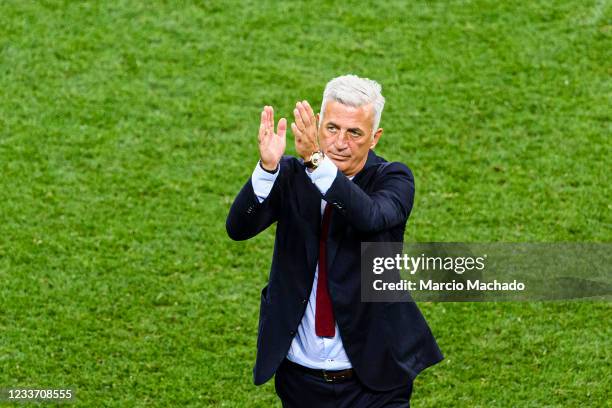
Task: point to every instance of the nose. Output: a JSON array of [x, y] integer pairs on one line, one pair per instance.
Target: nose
[[341, 140]]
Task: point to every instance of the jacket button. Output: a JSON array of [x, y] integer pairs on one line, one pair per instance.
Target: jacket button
[[304, 301], [292, 332]]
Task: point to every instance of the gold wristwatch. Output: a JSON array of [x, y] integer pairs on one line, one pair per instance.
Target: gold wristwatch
[[315, 160]]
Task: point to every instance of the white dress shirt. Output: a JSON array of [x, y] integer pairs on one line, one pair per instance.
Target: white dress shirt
[[307, 348]]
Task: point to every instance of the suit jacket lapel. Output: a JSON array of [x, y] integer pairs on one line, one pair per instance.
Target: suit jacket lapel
[[338, 225], [308, 203]]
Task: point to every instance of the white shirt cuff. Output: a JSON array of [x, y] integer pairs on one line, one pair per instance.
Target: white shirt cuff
[[324, 175], [263, 182]]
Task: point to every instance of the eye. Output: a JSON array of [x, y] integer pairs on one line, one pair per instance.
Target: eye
[[355, 134], [331, 128]]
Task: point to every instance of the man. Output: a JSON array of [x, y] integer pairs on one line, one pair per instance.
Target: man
[[327, 347]]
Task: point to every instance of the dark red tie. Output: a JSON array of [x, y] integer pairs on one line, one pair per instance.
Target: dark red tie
[[324, 314]]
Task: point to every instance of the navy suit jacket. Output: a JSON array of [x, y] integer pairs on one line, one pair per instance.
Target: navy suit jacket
[[388, 344]]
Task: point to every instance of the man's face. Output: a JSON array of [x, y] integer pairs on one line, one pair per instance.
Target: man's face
[[346, 135]]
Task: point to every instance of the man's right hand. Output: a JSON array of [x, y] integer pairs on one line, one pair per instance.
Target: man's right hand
[[271, 145]]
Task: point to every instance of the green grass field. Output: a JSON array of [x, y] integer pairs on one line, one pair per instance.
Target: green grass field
[[126, 129]]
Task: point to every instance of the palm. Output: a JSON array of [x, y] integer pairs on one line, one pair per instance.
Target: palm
[[271, 145]]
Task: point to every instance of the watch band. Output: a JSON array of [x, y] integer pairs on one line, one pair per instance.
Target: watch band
[[315, 160]]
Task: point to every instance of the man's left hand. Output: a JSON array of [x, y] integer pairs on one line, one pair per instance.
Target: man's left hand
[[305, 130]]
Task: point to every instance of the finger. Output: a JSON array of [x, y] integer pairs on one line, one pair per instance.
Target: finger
[[262, 126], [267, 120], [282, 127], [298, 119], [271, 119], [308, 109], [296, 133], [304, 113]]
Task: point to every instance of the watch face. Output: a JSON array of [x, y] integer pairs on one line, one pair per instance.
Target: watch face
[[315, 158]]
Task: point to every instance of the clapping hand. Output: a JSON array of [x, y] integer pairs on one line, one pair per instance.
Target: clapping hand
[[305, 130], [271, 145]]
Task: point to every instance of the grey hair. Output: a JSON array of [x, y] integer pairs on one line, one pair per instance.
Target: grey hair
[[354, 91]]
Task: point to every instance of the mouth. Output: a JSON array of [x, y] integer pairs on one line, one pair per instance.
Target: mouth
[[338, 157]]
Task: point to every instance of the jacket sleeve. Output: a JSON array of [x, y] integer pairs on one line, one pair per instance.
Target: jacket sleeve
[[247, 216], [386, 206]]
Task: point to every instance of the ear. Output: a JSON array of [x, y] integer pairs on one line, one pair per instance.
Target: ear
[[376, 138]]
